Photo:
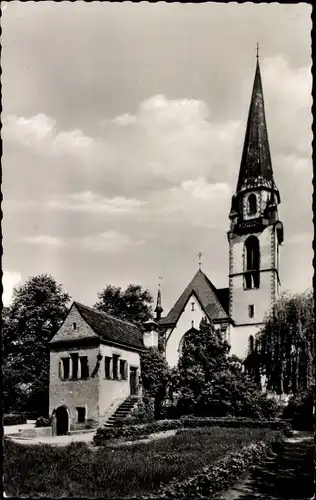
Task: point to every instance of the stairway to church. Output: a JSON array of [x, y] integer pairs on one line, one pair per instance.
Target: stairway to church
[[122, 411]]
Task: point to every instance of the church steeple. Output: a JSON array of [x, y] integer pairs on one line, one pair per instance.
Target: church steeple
[[257, 196], [256, 167], [255, 233]]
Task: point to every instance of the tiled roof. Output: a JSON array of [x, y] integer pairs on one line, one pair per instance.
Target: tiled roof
[[110, 328], [256, 167], [211, 300]]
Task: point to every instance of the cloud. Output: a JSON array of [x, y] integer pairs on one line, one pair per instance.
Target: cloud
[[170, 139], [124, 120], [199, 189], [109, 241], [39, 132], [289, 104], [9, 281], [193, 202], [87, 201], [300, 239], [45, 240]]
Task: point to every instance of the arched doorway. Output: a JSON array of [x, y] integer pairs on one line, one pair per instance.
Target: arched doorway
[[62, 420]]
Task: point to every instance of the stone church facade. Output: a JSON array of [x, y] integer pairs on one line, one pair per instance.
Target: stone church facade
[[95, 358], [254, 239]]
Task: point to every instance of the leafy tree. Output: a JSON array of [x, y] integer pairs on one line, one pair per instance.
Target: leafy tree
[[301, 409], [286, 345], [210, 382], [155, 371], [37, 310], [133, 304]]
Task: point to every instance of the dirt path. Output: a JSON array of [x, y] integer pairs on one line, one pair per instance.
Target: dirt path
[[87, 438], [286, 475], [57, 440]]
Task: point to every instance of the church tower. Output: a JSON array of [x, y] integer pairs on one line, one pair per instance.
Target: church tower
[[255, 233]]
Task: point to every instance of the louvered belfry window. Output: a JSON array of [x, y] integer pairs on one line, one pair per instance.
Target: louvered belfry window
[[252, 263]]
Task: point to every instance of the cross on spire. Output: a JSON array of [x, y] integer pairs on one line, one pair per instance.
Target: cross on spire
[[200, 255], [257, 50]]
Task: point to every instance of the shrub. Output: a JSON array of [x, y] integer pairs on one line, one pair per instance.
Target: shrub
[[14, 419], [142, 413], [43, 422], [213, 479], [104, 434], [32, 415], [300, 410], [78, 471]]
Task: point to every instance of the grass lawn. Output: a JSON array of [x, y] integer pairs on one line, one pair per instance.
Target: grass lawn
[[79, 471]]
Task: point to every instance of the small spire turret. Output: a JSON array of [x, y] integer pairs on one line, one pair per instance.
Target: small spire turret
[[158, 309]]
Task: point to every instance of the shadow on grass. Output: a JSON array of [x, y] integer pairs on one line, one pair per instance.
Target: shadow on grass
[[285, 474]]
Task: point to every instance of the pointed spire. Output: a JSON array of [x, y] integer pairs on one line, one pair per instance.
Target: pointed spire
[[158, 309], [256, 167]]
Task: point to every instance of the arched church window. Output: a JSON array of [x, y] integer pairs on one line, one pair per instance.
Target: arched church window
[[252, 263], [251, 344], [252, 204], [181, 343]]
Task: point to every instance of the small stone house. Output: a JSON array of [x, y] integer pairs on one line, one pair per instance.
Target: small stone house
[[94, 367]]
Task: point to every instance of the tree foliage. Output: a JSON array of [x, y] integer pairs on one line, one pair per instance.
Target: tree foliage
[[210, 382], [154, 369], [37, 310], [133, 304], [286, 345]]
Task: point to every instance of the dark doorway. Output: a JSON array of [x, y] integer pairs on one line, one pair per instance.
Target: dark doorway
[[61, 420], [133, 381], [81, 415]]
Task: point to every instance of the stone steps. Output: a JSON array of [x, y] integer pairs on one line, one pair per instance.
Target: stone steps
[[122, 411]]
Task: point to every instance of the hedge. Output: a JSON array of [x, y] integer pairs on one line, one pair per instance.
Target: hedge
[[14, 419], [213, 479], [104, 434], [43, 422]]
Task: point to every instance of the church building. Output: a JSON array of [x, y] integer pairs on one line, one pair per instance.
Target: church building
[[95, 371], [254, 238]]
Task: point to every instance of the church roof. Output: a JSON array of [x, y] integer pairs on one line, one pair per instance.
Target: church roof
[[107, 327], [256, 166], [214, 302]]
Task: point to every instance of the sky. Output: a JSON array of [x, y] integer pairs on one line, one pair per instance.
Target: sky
[[123, 126]]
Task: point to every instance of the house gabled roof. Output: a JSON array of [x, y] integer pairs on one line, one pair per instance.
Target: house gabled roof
[[212, 301], [107, 327]]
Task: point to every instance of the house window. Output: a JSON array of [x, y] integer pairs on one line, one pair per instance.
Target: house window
[[252, 263], [107, 367], [251, 311], [74, 326], [84, 367], [252, 204], [223, 331], [75, 363], [65, 366], [81, 412], [115, 366], [192, 306], [123, 371]]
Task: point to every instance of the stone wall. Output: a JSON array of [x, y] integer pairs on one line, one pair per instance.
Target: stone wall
[[114, 392], [75, 393]]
